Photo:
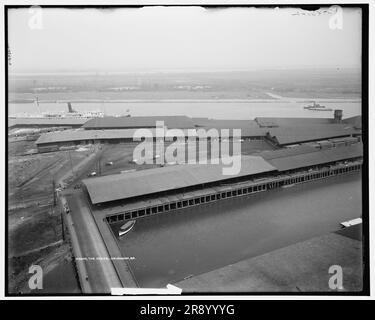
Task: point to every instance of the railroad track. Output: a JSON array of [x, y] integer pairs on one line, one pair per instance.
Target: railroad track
[[39, 172]]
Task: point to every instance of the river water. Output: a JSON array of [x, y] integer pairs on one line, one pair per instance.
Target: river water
[[168, 247], [218, 110]]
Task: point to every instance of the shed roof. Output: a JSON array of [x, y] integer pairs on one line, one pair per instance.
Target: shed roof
[[288, 122], [80, 135], [112, 134], [172, 122], [220, 123], [286, 152], [316, 157], [355, 121], [123, 186], [292, 135]]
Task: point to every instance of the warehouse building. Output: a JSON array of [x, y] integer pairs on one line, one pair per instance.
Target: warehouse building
[[171, 122], [52, 141], [279, 137], [287, 160], [280, 132], [221, 123], [355, 121], [284, 136], [272, 122], [153, 191], [176, 178]]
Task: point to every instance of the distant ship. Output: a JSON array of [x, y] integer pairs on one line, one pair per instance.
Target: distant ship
[[317, 107], [73, 114], [62, 114], [126, 228]]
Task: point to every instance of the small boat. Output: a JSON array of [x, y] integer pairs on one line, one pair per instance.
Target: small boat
[[321, 109], [317, 107], [126, 228], [350, 223], [288, 186]]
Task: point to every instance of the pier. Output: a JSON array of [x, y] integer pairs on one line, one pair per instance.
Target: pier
[[165, 204]]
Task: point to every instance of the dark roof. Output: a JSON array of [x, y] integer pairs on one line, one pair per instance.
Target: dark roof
[[286, 152], [290, 122], [298, 134], [295, 160], [227, 124], [81, 135], [172, 122], [343, 139], [112, 134], [149, 181], [253, 132], [356, 121], [249, 128]]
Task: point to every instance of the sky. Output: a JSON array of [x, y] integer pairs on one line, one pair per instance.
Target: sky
[[180, 38]]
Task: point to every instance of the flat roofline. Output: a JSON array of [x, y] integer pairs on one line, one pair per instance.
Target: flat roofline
[[155, 180]]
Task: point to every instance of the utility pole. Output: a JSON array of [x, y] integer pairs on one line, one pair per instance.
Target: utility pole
[[37, 104], [71, 162], [100, 164], [62, 225], [54, 192]]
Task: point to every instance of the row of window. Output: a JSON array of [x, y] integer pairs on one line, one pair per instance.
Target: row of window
[[187, 203]]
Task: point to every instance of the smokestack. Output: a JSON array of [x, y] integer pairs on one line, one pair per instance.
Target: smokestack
[[70, 107], [337, 116]]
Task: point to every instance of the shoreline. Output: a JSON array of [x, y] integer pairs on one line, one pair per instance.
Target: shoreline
[[284, 100]]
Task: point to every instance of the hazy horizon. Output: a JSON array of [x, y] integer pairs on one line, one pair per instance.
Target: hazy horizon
[[181, 71], [181, 39]]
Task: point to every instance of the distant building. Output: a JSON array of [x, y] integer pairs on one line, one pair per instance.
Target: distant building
[[284, 136], [280, 132], [131, 195]]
